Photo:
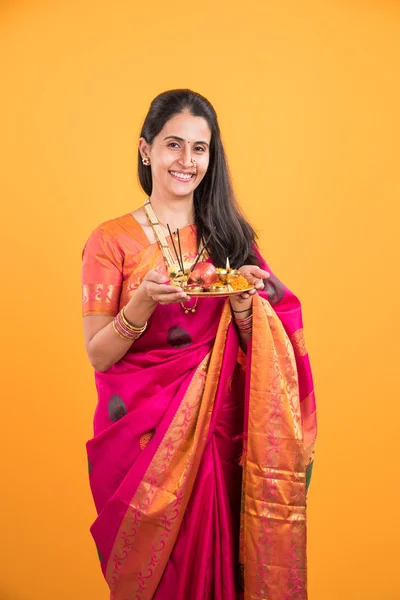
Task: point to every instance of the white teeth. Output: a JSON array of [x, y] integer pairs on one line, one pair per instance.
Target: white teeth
[[181, 175]]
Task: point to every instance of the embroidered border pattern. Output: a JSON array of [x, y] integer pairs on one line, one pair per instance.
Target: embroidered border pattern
[[275, 477], [299, 342], [100, 297]]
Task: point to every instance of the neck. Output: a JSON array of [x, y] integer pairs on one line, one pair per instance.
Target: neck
[[175, 211]]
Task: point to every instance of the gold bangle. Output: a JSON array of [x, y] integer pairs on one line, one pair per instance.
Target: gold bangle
[[126, 339], [245, 320], [132, 327]]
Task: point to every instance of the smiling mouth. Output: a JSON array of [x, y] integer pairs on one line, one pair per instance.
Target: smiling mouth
[[182, 176]]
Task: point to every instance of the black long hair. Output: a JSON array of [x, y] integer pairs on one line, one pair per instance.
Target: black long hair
[[215, 209]]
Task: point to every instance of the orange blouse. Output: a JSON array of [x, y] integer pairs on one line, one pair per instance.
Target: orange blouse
[[116, 257]]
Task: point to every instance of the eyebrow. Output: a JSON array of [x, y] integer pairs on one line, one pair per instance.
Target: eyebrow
[[175, 137]]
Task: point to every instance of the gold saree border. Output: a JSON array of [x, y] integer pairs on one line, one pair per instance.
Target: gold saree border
[[274, 526], [100, 298], [299, 342], [309, 427], [151, 525]]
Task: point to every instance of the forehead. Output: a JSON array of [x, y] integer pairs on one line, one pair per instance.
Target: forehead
[[188, 127]]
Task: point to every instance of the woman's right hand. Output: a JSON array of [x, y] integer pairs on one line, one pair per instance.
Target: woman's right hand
[[104, 347], [157, 289]]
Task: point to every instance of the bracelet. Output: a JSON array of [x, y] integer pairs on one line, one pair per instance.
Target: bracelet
[[129, 325], [125, 330], [245, 325], [122, 335], [240, 311], [246, 320]]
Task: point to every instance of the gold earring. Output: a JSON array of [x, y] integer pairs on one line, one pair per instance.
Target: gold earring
[[146, 161], [194, 165]]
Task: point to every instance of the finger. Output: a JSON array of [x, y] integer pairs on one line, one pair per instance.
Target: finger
[[160, 288], [156, 277], [169, 298], [259, 285], [258, 273], [172, 298], [170, 289]]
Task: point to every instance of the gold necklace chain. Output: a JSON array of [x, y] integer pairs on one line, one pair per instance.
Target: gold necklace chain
[[164, 246], [166, 226], [159, 234]]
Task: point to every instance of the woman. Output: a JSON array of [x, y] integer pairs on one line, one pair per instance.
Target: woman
[[205, 424]]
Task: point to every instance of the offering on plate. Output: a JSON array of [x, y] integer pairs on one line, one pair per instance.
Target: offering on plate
[[201, 277], [205, 278], [204, 273]]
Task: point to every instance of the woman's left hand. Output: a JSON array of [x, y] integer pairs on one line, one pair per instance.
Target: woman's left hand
[[255, 277]]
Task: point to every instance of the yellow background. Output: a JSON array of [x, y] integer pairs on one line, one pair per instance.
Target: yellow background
[[308, 97]]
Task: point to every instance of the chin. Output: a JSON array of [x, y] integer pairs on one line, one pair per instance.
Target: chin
[[182, 190]]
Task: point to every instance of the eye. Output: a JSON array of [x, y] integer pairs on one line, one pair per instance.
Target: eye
[[200, 149], [173, 145]]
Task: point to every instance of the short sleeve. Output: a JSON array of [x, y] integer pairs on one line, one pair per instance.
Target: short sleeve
[[102, 261]]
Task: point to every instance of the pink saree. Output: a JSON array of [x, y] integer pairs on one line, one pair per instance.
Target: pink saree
[[200, 456]]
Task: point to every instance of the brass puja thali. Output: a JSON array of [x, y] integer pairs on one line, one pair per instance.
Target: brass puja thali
[[202, 279], [199, 278]]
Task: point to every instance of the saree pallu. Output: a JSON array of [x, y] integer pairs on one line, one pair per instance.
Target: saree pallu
[[200, 458]]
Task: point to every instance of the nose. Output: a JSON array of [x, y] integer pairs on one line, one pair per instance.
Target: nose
[[185, 158]]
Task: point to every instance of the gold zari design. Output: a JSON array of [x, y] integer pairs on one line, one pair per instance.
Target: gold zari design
[[145, 438], [100, 298], [273, 530], [299, 342]]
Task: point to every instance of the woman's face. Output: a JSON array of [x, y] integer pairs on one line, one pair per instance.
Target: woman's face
[[183, 138]]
